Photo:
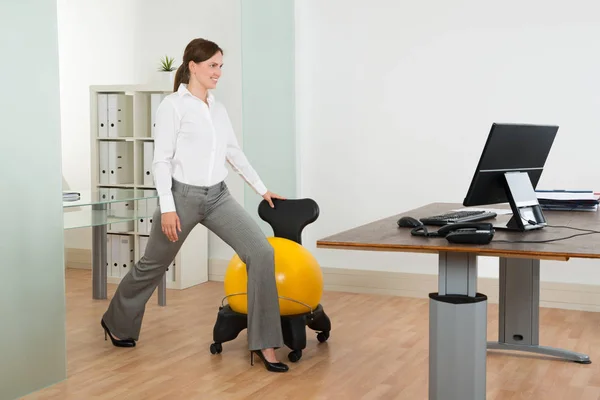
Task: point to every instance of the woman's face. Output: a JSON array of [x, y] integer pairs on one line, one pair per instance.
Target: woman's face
[[207, 73]]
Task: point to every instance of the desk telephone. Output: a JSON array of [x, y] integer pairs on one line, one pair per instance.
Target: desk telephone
[[468, 233], [463, 233]]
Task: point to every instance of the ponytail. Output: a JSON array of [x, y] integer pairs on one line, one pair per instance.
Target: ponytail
[[181, 76]]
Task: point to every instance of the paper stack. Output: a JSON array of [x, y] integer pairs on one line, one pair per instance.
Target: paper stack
[[568, 200], [71, 196]]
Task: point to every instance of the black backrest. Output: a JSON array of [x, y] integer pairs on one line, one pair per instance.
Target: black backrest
[[289, 217]]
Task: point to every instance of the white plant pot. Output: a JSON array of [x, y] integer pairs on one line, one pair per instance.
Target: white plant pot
[[166, 78]]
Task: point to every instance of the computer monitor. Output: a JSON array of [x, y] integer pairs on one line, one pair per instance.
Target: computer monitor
[[509, 170]]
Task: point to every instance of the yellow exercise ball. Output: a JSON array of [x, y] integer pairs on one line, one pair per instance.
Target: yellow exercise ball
[[297, 274]]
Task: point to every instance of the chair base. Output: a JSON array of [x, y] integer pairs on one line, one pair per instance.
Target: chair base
[[229, 324]]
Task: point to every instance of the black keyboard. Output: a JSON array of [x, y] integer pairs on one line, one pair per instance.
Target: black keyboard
[[455, 217]]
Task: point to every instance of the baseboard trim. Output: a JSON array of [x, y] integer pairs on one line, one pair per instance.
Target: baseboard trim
[[570, 296]]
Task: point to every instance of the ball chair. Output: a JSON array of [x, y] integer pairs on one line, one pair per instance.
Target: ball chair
[[287, 219]]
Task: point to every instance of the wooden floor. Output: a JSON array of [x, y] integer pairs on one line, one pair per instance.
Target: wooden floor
[[378, 349]]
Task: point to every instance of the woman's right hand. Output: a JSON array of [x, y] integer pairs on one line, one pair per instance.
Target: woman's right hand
[[170, 225]]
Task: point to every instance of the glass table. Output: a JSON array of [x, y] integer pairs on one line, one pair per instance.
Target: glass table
[[91, 208]]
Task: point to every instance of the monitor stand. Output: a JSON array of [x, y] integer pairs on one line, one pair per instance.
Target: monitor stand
[[526, 210]]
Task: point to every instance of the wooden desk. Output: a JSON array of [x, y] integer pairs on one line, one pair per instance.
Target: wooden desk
[[458, 314]]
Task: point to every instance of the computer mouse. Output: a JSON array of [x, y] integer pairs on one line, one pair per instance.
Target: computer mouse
[[409, 222]]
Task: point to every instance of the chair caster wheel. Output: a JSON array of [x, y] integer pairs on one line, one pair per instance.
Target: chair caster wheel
[[295, 355], [216, 348], [322, 336]]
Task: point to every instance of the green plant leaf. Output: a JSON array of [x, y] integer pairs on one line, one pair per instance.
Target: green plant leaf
[[166, 64]]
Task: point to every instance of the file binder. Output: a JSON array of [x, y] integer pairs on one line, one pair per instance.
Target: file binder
[[148, 151], [171, 272], [112, 163], [116, 256], [151, 206], [104, 194], [103, 157], [119, 162], [126, 254], [142, 223], [148, 225], [142, 226], [146, 209], [124, 162], [109, 257], [155, 100], [120, 111], [151, 202], [102, 101]]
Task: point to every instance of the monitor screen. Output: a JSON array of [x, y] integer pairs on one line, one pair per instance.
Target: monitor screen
[[509, 148]]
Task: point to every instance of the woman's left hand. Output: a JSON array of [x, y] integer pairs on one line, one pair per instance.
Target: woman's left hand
[[269, 196]]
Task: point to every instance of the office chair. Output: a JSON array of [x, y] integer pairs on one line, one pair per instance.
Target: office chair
[[287, 219]]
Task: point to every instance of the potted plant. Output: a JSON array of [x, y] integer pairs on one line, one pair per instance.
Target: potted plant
[[167, 69]]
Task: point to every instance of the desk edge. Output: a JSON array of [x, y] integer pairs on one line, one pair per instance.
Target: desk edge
[[481, 251]]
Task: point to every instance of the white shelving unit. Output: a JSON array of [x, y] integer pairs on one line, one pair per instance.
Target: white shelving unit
[[122, 145]]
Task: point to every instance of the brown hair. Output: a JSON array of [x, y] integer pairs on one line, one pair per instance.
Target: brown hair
[[197, 50]]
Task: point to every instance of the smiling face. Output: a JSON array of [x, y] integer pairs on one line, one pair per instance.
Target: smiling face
[[207, 73]]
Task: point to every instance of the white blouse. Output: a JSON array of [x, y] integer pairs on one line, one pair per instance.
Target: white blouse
[[192, 142]]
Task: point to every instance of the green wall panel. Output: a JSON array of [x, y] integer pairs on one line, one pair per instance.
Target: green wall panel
[[268, 80], [32, 298]]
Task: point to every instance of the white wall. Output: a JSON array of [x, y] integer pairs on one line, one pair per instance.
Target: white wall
[[121, 42], [395, 100]]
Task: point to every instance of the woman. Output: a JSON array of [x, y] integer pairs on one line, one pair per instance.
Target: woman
[[193, 139]]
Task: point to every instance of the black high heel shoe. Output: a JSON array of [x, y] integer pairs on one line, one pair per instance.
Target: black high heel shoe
[[116, 342], [273, 367]]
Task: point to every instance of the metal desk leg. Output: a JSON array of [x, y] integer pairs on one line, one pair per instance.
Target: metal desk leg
[[457, 331], [162, 291], [99, 261], [519, 318]]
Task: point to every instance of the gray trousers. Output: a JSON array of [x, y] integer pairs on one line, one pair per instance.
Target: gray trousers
[[216, 209]]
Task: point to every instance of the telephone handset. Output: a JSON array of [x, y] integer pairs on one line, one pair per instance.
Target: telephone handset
[[464, 232], [471, 226]]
